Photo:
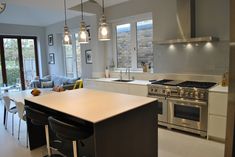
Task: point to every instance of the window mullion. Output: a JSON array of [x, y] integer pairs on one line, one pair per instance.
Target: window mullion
[[74, 56], [133, 45]]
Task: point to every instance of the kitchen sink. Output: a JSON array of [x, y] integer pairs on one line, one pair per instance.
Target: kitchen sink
[[123, 80]]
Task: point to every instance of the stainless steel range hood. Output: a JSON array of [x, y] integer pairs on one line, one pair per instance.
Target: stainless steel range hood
[[186, 23]]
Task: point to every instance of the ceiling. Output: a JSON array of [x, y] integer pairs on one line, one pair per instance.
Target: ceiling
[[41, 12]]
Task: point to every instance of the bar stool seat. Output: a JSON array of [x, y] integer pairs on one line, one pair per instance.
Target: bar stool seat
[[69, 132], [40, 118]]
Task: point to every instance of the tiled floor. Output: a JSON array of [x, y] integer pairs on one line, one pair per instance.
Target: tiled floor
[[171, 144]]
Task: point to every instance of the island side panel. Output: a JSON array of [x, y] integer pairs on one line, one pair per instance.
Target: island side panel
[[131, 134]]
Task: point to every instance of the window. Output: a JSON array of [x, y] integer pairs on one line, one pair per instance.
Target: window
[[73, 58], [69, 60], [19, 61], [133, 42], [144, 42], [124, 46]]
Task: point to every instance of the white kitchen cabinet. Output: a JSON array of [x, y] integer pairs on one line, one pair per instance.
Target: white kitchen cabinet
[[217, 127], [111, 86], [139, 90], [90, 84], [98, 85], [217, 103], [117, 87]]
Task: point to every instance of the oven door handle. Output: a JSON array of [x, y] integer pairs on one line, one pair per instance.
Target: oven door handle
[[201, 103]]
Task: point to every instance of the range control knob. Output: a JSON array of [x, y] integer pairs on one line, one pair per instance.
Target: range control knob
[[191, 94], [196, 94], [168, 92], [181, 93], [202, 95]]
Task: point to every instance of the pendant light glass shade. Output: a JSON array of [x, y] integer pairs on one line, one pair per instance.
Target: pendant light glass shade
[[104, 30], [67, 36], [83, 36]]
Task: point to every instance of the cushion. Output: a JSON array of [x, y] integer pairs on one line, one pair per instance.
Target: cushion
[[35, 84], [46, 84], [60, 80], [72, 80], [47, 77]]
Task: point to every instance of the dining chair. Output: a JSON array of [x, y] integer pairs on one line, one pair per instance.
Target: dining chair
[[12, 110], [78, 84], [22, 116]]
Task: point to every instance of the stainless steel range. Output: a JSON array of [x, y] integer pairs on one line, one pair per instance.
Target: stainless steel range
[[182, 104]]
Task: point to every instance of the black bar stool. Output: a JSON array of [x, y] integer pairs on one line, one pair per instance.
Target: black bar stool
[[41, 119], [70, 132]]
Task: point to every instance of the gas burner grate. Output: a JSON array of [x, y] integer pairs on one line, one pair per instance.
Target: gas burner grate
[[161, 82], [195, 84]]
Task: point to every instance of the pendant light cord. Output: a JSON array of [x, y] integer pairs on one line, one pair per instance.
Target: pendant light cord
[[82, 9], [103, 6], [65, 13]]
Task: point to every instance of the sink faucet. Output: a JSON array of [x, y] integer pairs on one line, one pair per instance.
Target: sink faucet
[[120, 74], [128, 70]]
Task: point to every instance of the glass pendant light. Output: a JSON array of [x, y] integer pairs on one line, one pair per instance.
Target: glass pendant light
[[104, 30], [83, 36], [67, 36]]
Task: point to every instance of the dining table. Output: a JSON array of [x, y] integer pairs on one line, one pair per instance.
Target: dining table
[[20, 96]]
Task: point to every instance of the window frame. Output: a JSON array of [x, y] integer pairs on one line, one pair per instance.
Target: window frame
[[74, 54], [132, 20]]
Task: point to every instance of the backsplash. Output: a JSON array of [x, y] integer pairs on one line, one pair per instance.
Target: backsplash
[[202, 59], [159, 76]]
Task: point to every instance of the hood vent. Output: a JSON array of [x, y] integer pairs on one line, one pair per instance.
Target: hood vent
[[186, 23]]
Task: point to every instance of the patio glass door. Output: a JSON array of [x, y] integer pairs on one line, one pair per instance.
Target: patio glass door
[[18, 61]]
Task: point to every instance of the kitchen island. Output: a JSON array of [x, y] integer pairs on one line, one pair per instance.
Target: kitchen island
[[123, 125]]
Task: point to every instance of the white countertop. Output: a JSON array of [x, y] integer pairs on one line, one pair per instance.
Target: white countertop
[[219, 88], [137, 82], [91, 105]]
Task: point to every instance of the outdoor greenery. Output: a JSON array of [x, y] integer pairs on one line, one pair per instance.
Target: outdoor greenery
[[12, 58]]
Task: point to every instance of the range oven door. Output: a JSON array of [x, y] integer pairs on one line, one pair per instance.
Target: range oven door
[[188, 113]]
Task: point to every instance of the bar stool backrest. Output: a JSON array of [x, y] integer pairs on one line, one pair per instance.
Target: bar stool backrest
[[37, 117], [68, 131]]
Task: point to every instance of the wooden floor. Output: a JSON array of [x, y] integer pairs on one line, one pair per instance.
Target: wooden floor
[[171, 144]]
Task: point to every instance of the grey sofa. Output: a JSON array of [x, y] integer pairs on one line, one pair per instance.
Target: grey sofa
[[52, 81]]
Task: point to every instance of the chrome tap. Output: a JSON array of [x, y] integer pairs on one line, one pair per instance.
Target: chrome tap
[[120, 74], [128, 72]]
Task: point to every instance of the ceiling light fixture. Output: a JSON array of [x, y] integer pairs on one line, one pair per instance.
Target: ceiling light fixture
[[67, 36], [104, 30], [83, 34]]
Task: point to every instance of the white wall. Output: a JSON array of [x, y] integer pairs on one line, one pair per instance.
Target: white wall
[[39, 32], [57, 31], [212, 18]]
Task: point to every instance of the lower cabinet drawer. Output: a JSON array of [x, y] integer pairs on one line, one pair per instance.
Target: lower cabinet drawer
[[217, 126]]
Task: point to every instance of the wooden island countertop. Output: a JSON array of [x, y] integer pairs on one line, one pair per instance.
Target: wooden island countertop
[[91, 105]]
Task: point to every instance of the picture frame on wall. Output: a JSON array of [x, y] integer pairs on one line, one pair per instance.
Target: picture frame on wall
[[50, 40], [51, 58], [88, 56]]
